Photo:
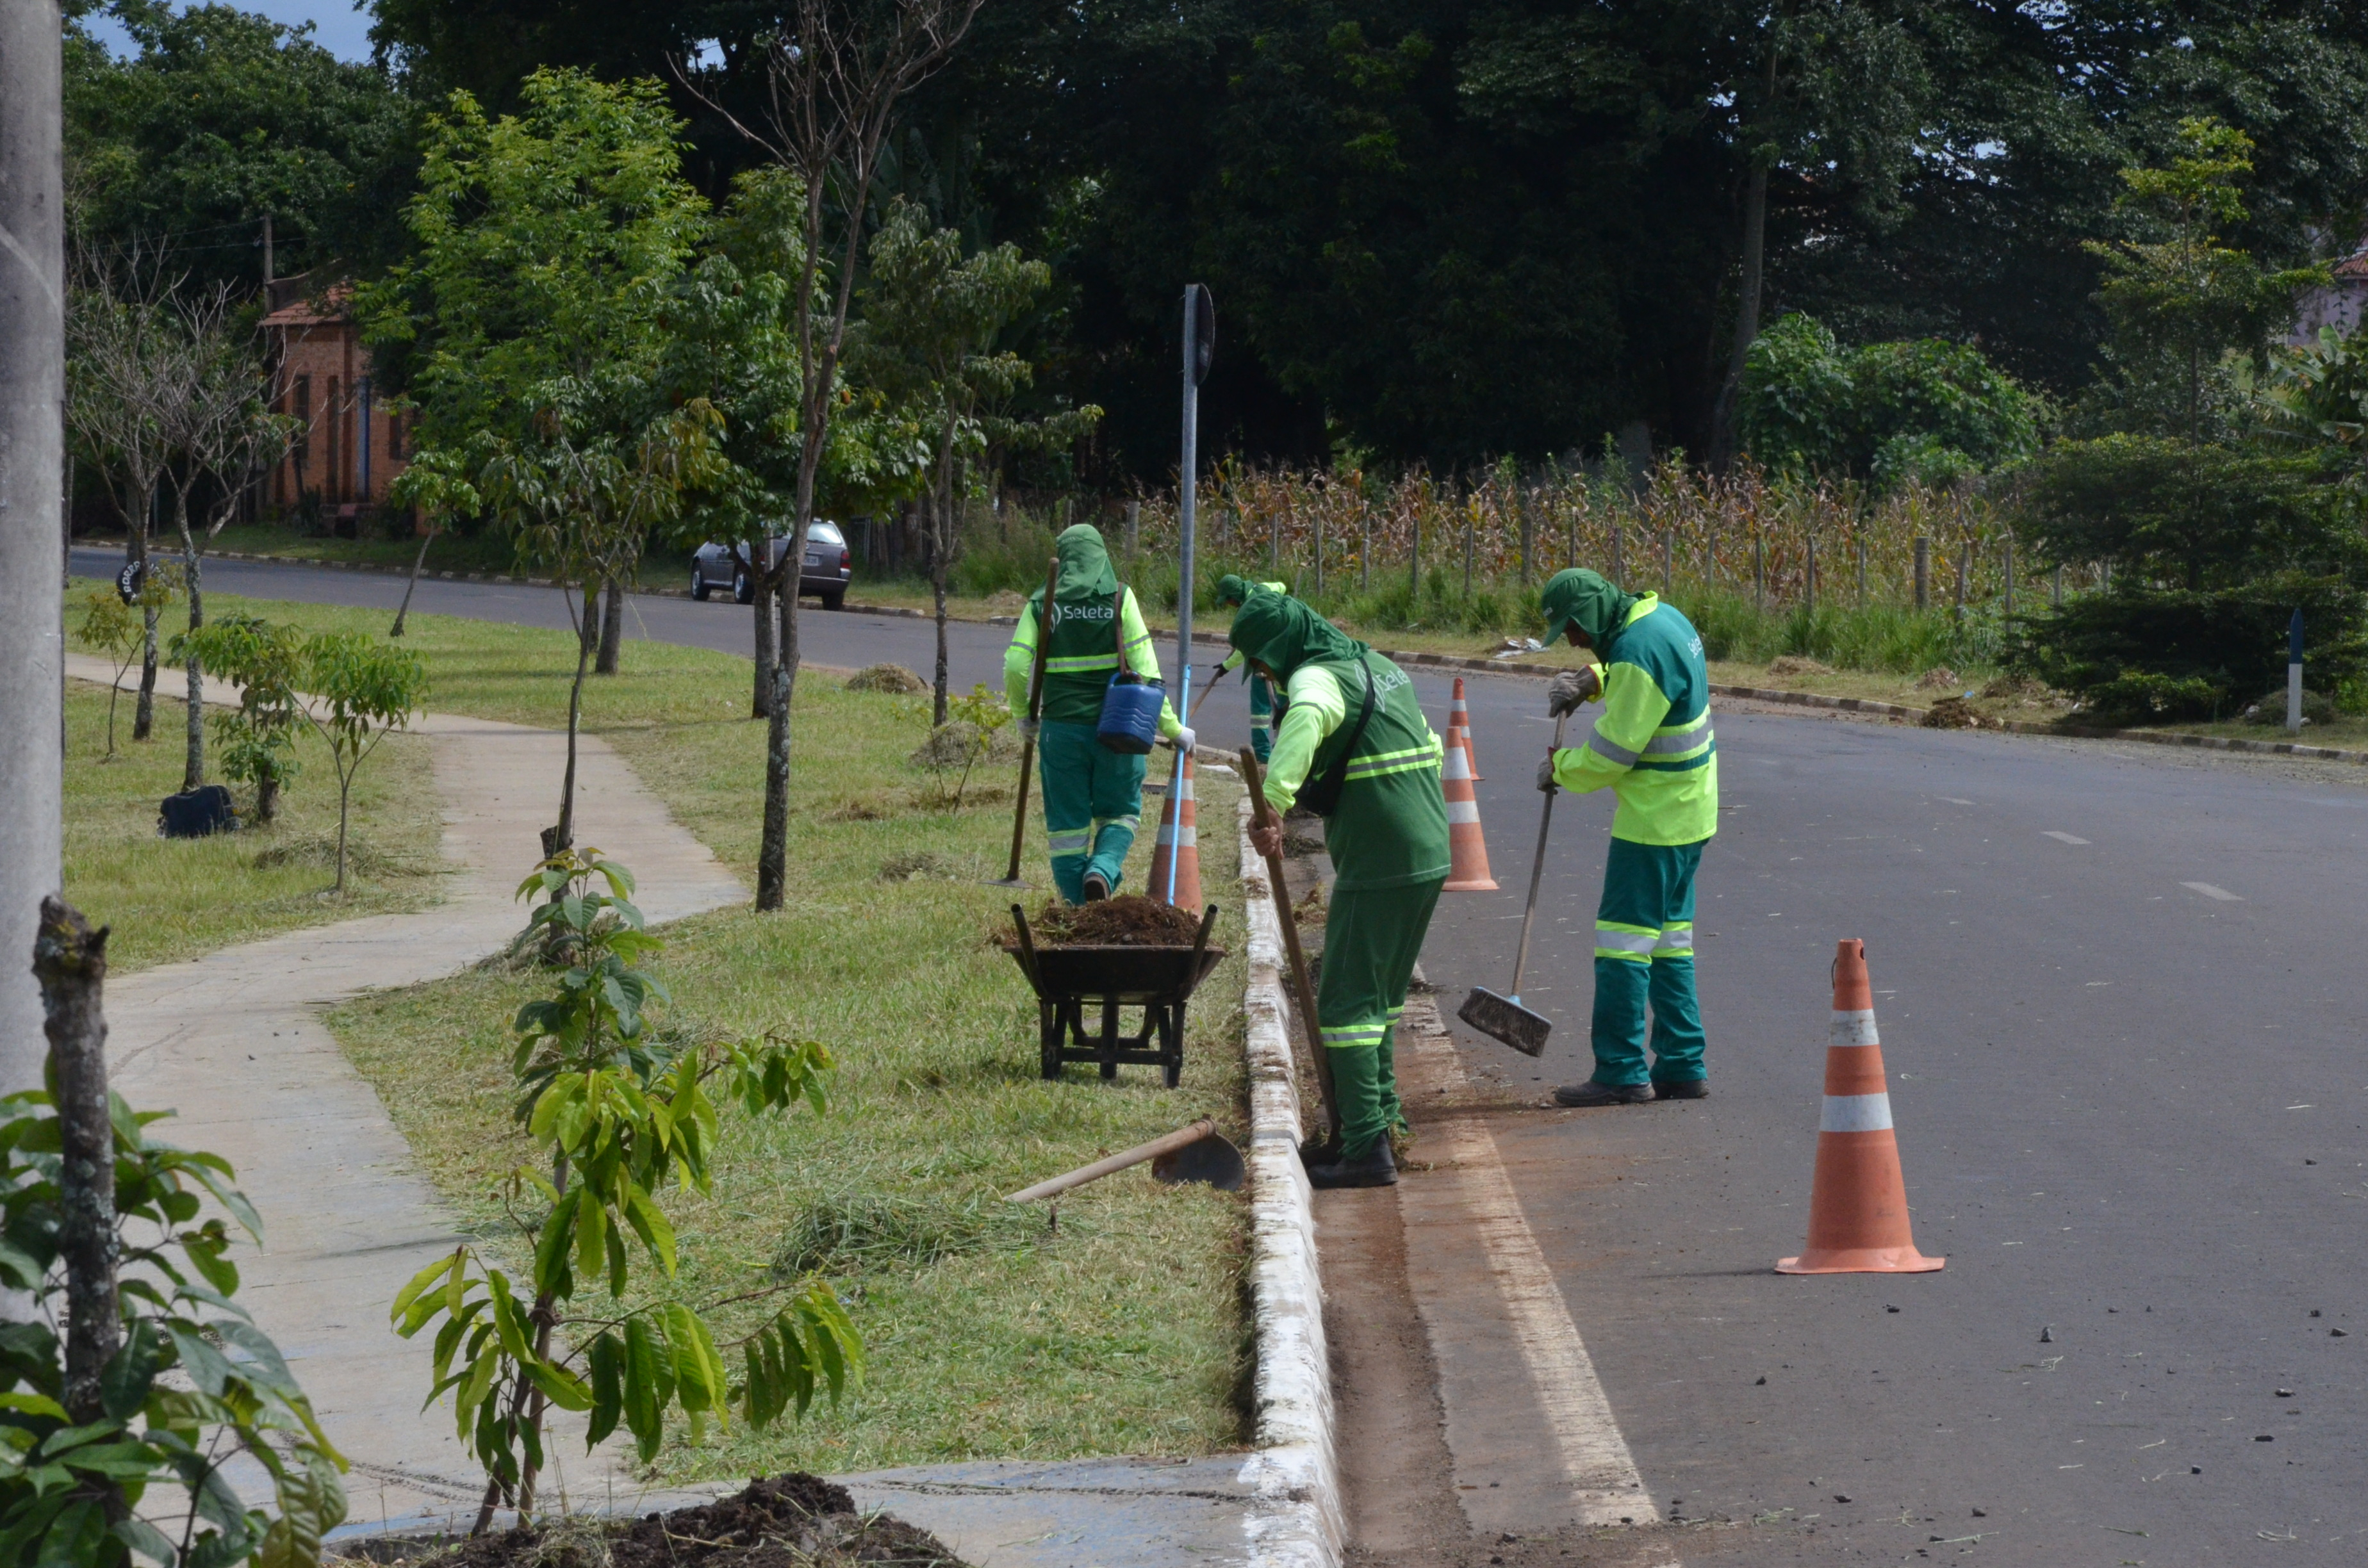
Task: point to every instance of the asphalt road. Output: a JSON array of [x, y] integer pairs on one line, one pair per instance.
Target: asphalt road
[[2130, 1096]]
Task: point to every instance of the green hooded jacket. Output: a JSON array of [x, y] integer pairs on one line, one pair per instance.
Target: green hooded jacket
[[1389, 829], [1091, 615], [1653, 745]]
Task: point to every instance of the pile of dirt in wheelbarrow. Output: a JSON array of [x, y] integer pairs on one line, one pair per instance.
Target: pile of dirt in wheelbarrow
[[1127, 921], [793, 1520]]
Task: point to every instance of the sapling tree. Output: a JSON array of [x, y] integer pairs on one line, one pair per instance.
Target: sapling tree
[[616, 1113], [362, 690], [128, 1372], [109, 625], [268, 663]]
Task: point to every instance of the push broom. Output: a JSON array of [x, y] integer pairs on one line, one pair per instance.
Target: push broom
[[1503, 1018]]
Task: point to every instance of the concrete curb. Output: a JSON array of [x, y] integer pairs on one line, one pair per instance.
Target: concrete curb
[[1295, 1477]]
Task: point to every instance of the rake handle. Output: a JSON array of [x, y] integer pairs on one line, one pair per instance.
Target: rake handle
[[1035, 710], [1263, 817], [1537, 869]]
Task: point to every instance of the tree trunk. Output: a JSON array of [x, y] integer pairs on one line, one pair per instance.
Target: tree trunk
[[1746, 315], [772, 858], [193, 766], [144, 713], [612, 627], [564, 835], [760, 701], [416, 562], [69, 962], [267, 798]]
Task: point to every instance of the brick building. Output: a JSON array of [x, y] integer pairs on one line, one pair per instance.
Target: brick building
[[352, 446]]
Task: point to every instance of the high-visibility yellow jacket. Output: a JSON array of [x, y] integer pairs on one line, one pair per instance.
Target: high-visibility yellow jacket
[[1082, 658], [1652, 744]]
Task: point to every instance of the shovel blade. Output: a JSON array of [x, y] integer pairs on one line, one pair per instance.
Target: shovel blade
[[1213, 1160], [1505, 1020]]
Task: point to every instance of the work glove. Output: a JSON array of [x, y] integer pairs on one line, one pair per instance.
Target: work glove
[[1184, 741], [1570, 688], [1028, 730], [1546, 774]]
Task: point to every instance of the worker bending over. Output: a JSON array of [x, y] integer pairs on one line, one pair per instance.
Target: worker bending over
[[1353, 746], [1093, 796], [1653, 745], [1234, 591]]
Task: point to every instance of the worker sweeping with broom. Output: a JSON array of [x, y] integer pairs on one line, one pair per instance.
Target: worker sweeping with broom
[[1100, 686], [1354, 747], [1653, 746]]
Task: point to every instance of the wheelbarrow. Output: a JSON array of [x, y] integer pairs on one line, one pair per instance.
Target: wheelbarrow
[[1069, 980]]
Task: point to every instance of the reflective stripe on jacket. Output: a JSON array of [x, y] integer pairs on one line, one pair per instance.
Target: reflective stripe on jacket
[[1652, 744]]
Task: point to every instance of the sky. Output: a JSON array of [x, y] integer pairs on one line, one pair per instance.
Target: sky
[[339, 26]]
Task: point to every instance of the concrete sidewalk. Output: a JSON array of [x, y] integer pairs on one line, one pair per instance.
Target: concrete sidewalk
[[234, 1043]]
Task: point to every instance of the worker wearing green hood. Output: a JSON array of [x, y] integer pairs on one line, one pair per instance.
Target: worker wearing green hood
[[1235, 592], [1653, 747], [1354, 747], [1093, 796]]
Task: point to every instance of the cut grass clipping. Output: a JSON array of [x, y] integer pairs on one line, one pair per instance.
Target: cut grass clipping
[[176, 898], [992, 1332]]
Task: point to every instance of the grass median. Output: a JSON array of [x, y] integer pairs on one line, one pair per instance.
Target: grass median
[[993, 1331], [169, 899]]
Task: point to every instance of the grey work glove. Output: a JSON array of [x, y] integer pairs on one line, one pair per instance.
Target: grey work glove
[[1570, 688], [1546, 774], [1185, 740], [1028, 729]]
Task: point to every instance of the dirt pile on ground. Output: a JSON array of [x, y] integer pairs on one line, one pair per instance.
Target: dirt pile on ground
[[1793, 664], [1951, 713], [784, 1521], [1129, 921], [1940, 677], [893, 678]]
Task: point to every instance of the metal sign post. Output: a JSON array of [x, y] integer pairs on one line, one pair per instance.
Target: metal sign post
[[1200, 346]]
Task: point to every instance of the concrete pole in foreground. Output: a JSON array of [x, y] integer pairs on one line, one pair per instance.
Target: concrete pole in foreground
[[32, 447]]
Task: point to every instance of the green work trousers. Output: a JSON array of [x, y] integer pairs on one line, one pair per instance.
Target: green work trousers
[[1261, 717], [1093, 805], [1645, 951], [1371, 940]]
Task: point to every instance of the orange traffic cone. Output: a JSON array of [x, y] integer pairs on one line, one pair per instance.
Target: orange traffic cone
[[1857, 1203], [1469, 870], [1180, 843], [1459, 726]]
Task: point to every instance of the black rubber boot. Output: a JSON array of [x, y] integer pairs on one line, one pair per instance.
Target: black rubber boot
[[1320, 1149], [1692, 1089], [1590, 1094], [1374, 1168], [1097, 889]]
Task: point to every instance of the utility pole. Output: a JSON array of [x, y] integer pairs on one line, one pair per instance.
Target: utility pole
[[32, 467]]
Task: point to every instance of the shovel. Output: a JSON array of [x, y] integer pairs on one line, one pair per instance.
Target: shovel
[[1011, 879], [1302, 992], [1503, 1018]]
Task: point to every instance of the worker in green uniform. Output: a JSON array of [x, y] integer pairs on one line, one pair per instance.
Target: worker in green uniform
[[1354, 747], [1234, 591], [1653, 746], [1093, 796]]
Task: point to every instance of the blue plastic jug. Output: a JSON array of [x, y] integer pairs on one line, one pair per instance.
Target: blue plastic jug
[[1130, 713]]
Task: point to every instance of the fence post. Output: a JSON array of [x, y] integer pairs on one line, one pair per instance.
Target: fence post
[[1133, 529], [1274, 546], [1364, 548], [1861, 570], [1467, 557], [1570, 539], [1923, 572], [1619, 555], [1758, 575], [1529, 532], [1710, 556], [2009, 575], [1319, 550], [1669, 562], [1809, 578], [1414, 563], [1965, 570]]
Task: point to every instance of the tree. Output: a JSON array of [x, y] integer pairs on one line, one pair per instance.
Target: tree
[[527, 333], [160, 1378], [2180, 301], [834, 77], [268, 665], [616, 1115], [108, 624], [218, 118], [930, 320], [361, 692]]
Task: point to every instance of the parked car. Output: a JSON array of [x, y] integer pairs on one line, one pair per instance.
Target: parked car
[[825, 573]]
